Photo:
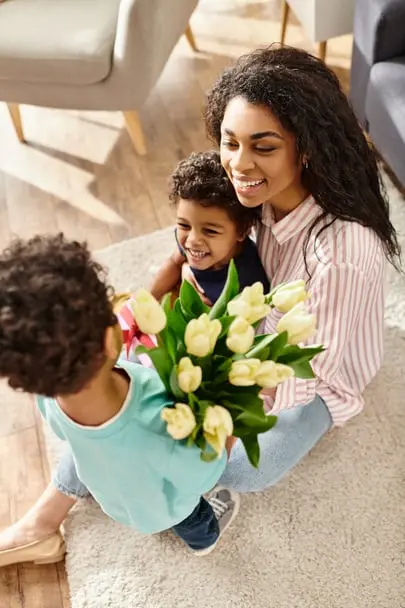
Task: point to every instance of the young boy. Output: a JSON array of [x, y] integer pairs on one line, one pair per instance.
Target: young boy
[[59, 340], [212, 228]]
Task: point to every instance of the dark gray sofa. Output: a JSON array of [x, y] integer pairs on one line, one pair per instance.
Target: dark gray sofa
[[377, 80]]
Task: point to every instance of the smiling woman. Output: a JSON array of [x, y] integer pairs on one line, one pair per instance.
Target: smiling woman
[[290, 144], [260, 157]]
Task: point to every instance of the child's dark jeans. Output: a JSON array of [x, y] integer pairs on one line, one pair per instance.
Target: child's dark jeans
[[199, 530]]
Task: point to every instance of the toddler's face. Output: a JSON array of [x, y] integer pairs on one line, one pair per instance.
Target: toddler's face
[[208, 236]]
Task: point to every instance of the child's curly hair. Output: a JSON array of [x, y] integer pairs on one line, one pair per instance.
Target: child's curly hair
[[54, 311], [201, 178]]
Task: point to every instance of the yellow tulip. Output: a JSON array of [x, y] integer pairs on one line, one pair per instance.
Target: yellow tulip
[[217, 427], [180, 420], [250, 304], [269, 374], [189, 376], [240, 336], [299, 323], [148, 313], [201, 335], [242, 373], [290, 294]]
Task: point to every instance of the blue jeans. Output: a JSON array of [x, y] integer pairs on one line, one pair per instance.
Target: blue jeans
[[199, 530], [297, 431]]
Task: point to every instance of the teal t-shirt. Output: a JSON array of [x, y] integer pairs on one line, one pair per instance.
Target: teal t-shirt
[[138, 474]]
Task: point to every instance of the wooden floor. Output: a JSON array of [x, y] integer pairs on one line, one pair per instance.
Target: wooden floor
[[79, 174]]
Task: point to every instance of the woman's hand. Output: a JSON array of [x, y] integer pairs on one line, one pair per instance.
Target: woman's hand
[[187, 275], [268, 392], [265, 394]]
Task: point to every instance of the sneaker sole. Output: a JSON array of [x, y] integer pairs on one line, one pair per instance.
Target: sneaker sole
[[208, 550]]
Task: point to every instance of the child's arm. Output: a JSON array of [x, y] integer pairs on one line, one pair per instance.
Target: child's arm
[[168, 276]]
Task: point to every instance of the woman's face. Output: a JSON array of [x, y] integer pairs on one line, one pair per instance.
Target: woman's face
[[260, 157]]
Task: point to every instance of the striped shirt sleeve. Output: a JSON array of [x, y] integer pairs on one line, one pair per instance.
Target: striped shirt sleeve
[[336, 299]]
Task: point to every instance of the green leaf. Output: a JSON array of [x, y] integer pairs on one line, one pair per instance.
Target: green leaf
[[226, 322], [260, 344], [277, 345], [193, 437], [161, 362], [233, 408], [239, 430], [265, 354], [166, 303], [181, 351], [250, 422], [167, 340], [302, 369], [219, 379], [198, 406], [191, 304], [193, 402], [208, 455], [230, 290], [206, 365], [203, 404], [252, 418], [176, 320], [221, 364], [178, 394], [248, 396], [252, 448], [292, 353], [200, 442]]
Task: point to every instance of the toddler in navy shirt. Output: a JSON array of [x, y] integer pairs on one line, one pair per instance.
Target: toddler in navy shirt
[[212, 228]]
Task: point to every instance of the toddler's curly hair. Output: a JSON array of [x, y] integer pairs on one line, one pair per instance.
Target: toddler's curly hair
[[54, 310], [202, 179]]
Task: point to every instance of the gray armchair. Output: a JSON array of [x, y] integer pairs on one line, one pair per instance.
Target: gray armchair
[[88, 54], [377, 88]]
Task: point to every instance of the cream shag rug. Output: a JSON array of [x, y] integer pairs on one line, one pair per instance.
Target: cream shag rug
[[330, 535]]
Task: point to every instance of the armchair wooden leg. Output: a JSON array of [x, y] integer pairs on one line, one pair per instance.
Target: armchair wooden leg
[[14, 110], [134, 126], [190, 38], [322, 50], [284, 20]]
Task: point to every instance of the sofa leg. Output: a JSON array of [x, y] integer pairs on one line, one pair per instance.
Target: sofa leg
[[14, 110], [284, 20], [134, 126], [322, 50], [190, 38]]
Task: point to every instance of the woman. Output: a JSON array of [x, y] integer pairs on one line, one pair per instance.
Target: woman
[[290, 143]]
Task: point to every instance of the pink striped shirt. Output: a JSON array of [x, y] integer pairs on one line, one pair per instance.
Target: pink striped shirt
[[347, 297]]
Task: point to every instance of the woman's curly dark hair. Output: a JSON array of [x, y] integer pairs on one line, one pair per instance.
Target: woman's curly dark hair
[[306, 97], [202, 178], [54, 311]]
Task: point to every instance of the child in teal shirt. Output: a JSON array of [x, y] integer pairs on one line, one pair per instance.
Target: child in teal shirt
[[59, 339]]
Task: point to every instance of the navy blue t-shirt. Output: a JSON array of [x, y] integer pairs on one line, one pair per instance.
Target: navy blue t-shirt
[[249, 267]]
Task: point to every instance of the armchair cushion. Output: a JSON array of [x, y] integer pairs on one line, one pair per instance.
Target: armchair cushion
[[57, 41], [385, 111]]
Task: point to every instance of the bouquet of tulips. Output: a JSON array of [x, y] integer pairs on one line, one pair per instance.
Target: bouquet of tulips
[[213, 364]]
